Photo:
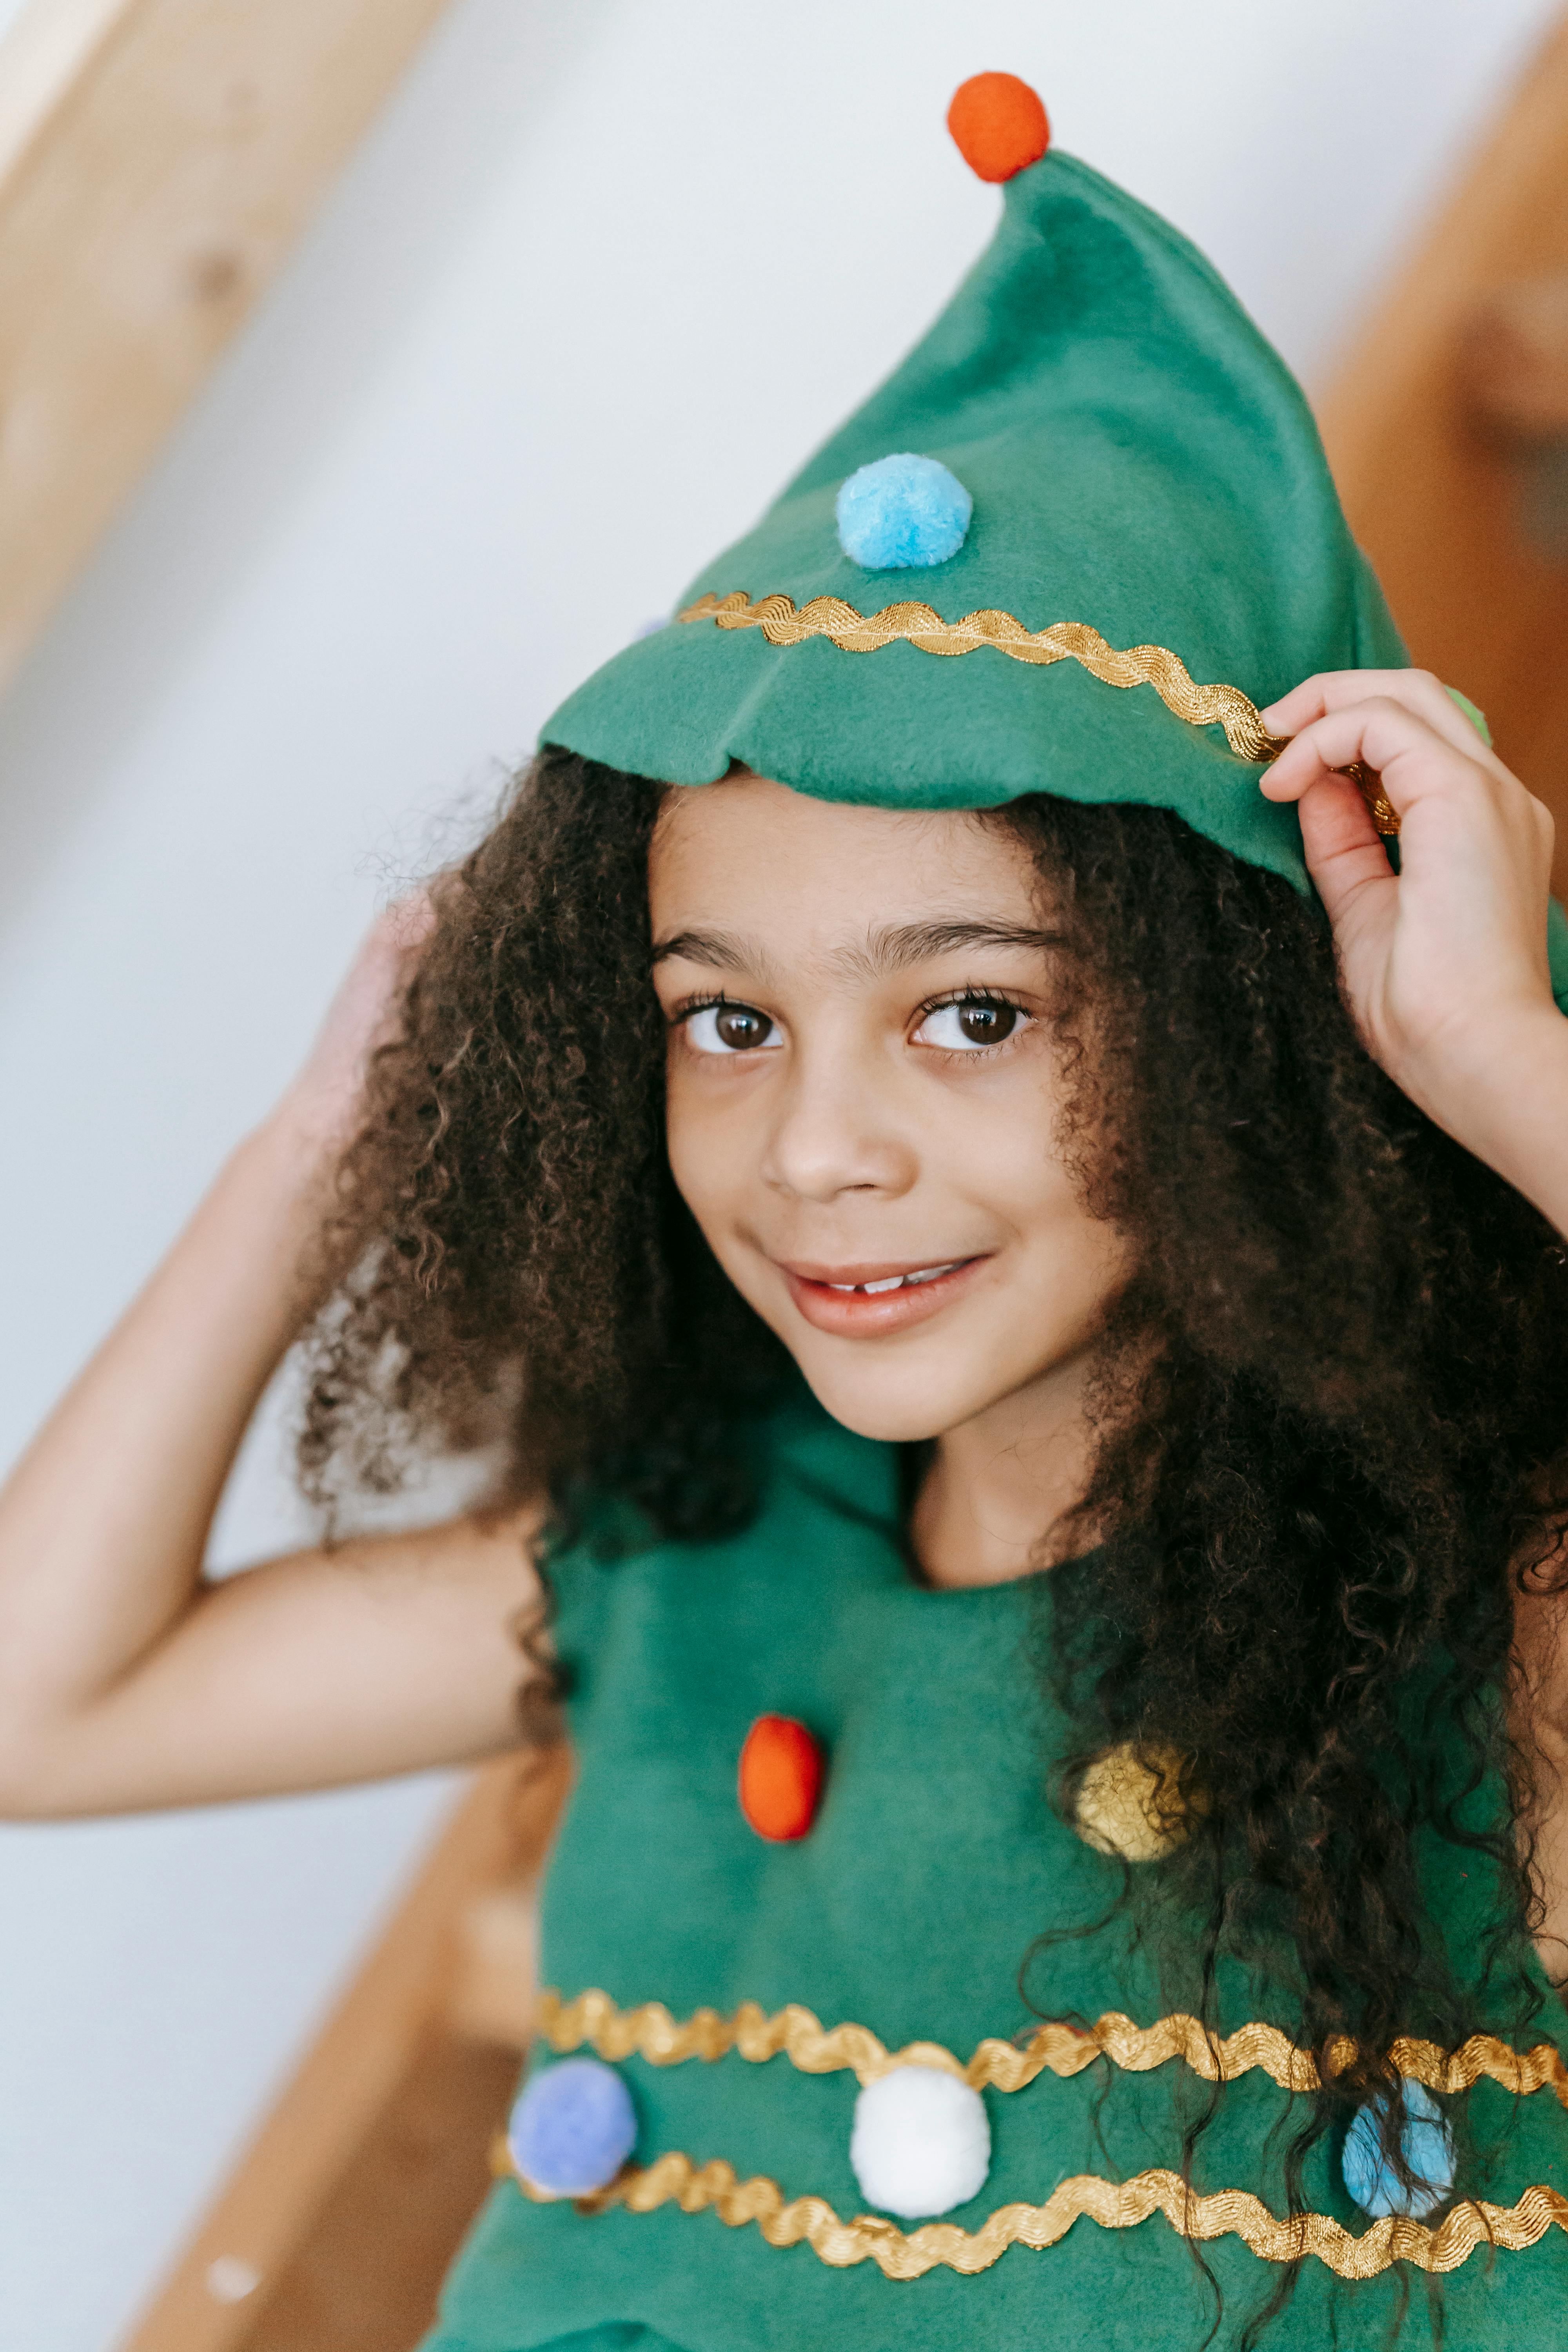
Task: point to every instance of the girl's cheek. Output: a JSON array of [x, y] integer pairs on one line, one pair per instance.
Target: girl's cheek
[[700, 1153]]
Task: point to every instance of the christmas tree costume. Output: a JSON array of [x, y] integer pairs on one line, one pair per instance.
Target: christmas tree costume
[[789, 2092]]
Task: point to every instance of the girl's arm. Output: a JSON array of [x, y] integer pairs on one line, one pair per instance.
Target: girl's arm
[[1444, 968], [125, 1680], [1444, 964]]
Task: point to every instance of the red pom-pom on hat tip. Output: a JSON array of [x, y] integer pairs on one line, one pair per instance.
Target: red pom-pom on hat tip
[[998, 124]]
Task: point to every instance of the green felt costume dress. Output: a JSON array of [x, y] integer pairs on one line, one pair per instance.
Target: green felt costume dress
[[1149, 547], [905, 1914]]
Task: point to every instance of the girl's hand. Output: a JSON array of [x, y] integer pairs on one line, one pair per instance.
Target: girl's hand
[[321, 1107], [1444, 963]]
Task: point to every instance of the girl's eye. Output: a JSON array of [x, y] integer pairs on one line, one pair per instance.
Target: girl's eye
[[729, 1029], [969, 1023]]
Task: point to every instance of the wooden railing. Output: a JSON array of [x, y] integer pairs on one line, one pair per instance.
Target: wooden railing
[[335, 2228], [1443, 445], [158, 162]]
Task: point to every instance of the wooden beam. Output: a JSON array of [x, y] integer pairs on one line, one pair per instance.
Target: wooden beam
[[1515, 362], [494, 1970], [158, 160], [288, 2233], [1434, 493], [366, 2274]]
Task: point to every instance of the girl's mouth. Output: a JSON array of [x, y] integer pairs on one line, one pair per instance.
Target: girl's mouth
[[866, 1301], [896, 1281]]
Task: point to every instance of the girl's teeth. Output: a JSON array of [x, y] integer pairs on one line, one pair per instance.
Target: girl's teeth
[[893, 1281]]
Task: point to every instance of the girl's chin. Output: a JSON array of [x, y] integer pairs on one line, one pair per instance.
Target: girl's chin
[[911, 1410]]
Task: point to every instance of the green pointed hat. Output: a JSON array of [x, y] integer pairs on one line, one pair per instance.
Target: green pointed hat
[[1071, 545]]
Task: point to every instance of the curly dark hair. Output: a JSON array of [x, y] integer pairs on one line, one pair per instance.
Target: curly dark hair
[[1329, 1409]]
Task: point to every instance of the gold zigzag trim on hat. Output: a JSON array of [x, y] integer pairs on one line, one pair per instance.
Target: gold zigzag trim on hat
[[922, 626], [867, 2237], [651, 2032]]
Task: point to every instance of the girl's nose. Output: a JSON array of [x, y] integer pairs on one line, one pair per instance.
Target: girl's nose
[[836, 1133]]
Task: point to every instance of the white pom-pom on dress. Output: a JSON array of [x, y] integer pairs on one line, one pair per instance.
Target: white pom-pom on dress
[[922, 2142]]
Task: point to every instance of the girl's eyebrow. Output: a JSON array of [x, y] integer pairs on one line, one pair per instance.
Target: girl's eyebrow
[[891, 948], [895, 947], [717, 947]]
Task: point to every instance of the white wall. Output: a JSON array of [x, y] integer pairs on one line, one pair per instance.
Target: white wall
[[601, 277]]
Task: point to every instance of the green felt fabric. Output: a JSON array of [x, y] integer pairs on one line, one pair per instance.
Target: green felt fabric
[[910, 1908], [1140, 459]]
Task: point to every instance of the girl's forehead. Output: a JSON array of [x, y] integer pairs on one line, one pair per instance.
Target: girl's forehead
[[750, 840]]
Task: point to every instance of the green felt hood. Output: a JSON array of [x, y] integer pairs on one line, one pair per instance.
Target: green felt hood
[[1143, 468]]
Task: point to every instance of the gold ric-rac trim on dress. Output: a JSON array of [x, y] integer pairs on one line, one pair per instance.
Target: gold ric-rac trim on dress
[[651, 2032], [921, 625], [642, 2188]]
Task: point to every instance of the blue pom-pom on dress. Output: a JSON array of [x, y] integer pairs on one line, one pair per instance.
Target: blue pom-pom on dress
[[573, 2127], [902, 512], [1427, 2145]]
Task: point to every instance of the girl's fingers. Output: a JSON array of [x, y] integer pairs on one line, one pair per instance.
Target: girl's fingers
[[1419, 767], [1461, 812], [1416, 690], [1410, 757], [1336, 821], [1344, 849], [363, 1015]]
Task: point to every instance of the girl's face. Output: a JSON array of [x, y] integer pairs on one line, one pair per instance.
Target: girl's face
[[863, 1100]]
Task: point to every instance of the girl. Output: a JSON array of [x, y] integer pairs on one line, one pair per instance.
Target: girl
[[1027, 1386]]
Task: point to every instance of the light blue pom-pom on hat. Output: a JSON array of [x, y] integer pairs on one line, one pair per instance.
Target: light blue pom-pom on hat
[[902, 512]]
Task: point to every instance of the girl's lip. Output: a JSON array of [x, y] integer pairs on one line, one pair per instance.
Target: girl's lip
[[854, 1314]]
